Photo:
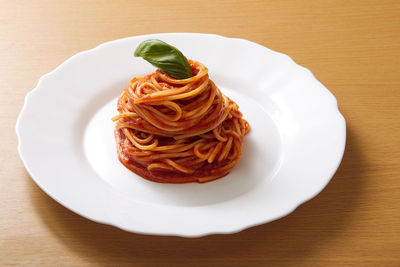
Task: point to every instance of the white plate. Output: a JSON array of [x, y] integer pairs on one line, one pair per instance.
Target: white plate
[[296, 142]]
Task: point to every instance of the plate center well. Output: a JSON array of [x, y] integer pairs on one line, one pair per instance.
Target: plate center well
[[259, 161]]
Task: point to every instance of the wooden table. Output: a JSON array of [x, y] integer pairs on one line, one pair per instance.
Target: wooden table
[[353, 47]]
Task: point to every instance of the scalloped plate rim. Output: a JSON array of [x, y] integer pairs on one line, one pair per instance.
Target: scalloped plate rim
[[238, 228]]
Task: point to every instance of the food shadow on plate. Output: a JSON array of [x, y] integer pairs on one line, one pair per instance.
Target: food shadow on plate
[[105, 95], [289, 240]]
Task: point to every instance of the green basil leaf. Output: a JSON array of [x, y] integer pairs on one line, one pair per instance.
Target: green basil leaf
[[164, 57]]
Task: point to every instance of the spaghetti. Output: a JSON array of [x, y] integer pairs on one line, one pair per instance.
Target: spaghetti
[[178, 131]]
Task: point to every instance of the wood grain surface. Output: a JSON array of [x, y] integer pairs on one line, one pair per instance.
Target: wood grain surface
[[353, 47]]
